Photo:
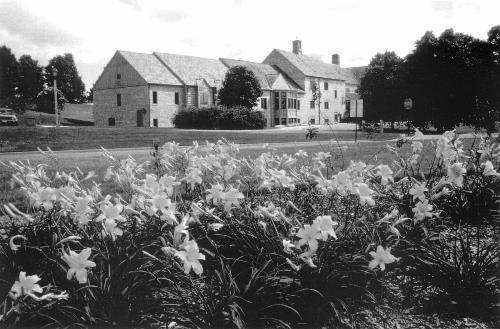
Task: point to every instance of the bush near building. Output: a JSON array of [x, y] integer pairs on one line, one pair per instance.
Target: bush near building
[[219, 118]]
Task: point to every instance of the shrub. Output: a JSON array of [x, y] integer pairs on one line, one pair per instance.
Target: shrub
[[201, 237], [219, 118]]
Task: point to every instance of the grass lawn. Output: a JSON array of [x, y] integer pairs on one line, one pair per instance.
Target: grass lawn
[[76, 138]]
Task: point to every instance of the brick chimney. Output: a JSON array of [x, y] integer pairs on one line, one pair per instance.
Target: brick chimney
[[336, 59], [297, 47]]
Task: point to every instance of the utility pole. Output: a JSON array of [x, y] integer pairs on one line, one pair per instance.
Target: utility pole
[[56, 111]]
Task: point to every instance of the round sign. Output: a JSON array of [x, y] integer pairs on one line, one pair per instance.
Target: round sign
[[408, 104]]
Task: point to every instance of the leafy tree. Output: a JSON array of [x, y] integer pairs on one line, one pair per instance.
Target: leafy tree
[[90, 96], [45, 100], [453, 79], [239, 88], [31, 79], [68, 79], [381, 88], [316, 97], [9, 76]]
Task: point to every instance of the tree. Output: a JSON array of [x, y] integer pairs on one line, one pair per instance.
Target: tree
[[90, 96], [45, 100], [316, 96], [452, 80], [381, 88], [68, 80], [239, 88], [9, 77], [31, 79]]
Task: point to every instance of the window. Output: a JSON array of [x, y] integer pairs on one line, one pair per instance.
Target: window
[[111, 122], [298, 104], [325, 86], [155, 123], [118, 76], [204, 99], [283, 100], [283, 121], [348, 106], [277, 101], [326, 105], [155, 97], [311, 104], [312, 121], [118, 99], [263, 103], [176, 96], [295, 103], [327, 121], [335, 93], [276, 121]]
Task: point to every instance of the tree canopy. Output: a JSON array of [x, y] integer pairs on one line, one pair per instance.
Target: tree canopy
[[451, 79], [239, 88], [68, 79], [31, 79], [9, 77], [381, 88]]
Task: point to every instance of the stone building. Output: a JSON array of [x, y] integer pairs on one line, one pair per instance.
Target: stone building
[[336, 86], [147, 90]]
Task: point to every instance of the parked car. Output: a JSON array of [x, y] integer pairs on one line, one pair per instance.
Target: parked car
[[8, 118]]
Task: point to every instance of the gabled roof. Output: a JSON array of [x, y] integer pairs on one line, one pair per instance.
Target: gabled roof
[[150, 68], [354, 74], [311, 66], [190, 68], [266, 74]]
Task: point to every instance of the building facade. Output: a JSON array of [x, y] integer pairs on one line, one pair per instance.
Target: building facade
[[147, 90]]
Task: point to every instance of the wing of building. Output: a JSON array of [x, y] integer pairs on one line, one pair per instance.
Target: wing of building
[[147, 90]]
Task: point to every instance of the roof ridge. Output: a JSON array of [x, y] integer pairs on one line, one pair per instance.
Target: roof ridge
[[168, 68], [162, 53]]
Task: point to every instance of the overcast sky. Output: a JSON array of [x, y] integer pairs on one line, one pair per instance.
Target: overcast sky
[[356, 29]]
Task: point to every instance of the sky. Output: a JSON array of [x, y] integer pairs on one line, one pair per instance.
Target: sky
[[92, 30]]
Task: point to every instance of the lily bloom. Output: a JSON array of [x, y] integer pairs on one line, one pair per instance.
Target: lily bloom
[[309, 234], [381, 257], [191, 257], [26, 285], [78, 264]]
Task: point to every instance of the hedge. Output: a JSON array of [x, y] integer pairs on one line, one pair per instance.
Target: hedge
[[219, 118]]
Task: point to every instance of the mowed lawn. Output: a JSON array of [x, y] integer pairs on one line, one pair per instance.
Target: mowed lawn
[[19, 139], [373, 152]]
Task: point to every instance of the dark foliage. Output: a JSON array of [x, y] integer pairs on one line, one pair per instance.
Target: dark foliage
[[68, 79], [219, 118], [239, 88]]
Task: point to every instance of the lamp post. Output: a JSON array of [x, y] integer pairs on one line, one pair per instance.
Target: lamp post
[[54, 73]]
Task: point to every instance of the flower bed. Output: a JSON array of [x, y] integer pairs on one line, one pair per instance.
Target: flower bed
[[200, 237]]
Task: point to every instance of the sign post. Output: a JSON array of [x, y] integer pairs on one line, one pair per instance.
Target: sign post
[[408, 105], [356, 111]]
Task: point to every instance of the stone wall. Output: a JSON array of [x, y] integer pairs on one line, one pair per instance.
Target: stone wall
[[165, 109], [133, 99]]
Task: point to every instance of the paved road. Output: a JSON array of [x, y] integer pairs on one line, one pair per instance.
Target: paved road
[[144, 151]]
